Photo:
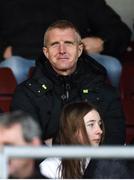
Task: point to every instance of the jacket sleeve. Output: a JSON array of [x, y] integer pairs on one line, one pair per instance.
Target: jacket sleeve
[[114, 119], [30, 97], [107, 169], [107, 24], [21, 101]]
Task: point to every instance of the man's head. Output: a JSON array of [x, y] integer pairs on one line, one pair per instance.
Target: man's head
[[19, 129], [62, 46]]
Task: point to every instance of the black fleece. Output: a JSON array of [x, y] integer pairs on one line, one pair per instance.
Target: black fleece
[[45, 94]]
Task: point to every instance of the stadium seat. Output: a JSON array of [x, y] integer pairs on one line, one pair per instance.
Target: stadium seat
[[31, 71], [128, 55], [7, 86], [127, 97]]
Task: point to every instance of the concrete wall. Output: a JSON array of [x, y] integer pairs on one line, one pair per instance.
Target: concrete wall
[[125, 8]]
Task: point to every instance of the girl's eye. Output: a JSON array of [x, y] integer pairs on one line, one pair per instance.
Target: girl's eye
[[90, 125]]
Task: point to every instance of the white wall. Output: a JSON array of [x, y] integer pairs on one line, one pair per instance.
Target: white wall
[[125, 8]]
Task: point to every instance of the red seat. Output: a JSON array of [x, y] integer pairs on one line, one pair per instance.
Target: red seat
[[7, 86], [128, 55], [31, 71], [127, 97], [129, 134], [5, 103]]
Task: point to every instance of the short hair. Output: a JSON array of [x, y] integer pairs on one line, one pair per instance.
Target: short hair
[[30, 128], [62, 24]]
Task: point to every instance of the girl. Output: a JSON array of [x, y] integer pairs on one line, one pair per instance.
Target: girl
[[80, 124]]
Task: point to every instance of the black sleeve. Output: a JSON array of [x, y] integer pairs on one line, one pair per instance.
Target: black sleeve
[[30, 100], [114, 119], [23, 101], [108, 25], [107, 169]]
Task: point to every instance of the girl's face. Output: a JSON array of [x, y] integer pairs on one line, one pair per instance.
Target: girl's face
[[93, 127]]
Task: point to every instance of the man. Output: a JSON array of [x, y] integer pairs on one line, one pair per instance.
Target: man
[[68, 76], [22, 28], [19, 129]]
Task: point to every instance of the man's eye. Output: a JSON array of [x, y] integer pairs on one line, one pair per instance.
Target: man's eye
[[54, 44], [69, 43]]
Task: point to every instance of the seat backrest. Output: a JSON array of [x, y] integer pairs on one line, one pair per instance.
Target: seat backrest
[[7, 87], [129, 134], [7, 81], [5, 102], [128, 55], [127, 91], [31, 71]]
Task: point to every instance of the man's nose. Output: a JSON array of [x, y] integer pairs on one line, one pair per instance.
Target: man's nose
[[62, 48]]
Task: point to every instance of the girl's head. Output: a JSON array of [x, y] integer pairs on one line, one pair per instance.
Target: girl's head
[[81, 124]]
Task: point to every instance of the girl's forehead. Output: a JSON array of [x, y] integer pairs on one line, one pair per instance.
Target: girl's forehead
[[92, 115]]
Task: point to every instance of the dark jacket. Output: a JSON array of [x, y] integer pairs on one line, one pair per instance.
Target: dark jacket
[[107, 169], [36, 172], [23, 24], [45, 94]]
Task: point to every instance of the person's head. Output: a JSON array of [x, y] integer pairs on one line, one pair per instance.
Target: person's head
[[81, 124], [62, 46], [19, 129]]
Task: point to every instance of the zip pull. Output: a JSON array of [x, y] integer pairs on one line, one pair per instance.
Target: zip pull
[[67, 90]]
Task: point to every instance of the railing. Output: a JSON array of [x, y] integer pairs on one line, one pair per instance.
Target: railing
[[125, 152]]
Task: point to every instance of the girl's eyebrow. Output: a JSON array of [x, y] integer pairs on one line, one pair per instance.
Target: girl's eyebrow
[[90, 120], [93, 120]]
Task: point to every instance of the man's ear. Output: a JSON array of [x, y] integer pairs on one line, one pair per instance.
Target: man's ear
[[45, 51], [80, 49]]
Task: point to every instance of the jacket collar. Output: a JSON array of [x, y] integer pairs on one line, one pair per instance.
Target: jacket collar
[[86, 68]]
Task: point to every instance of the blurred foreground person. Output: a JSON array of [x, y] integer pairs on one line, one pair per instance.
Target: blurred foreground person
[[19, 129]]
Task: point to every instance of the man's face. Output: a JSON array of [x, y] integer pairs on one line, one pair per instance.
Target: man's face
[[13, 136], [62, 50]]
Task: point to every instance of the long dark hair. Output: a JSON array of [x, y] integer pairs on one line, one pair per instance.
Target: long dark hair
[[71, 123]]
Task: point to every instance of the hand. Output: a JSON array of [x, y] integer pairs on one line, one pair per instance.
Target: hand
[[8, 52], [93, 44]]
